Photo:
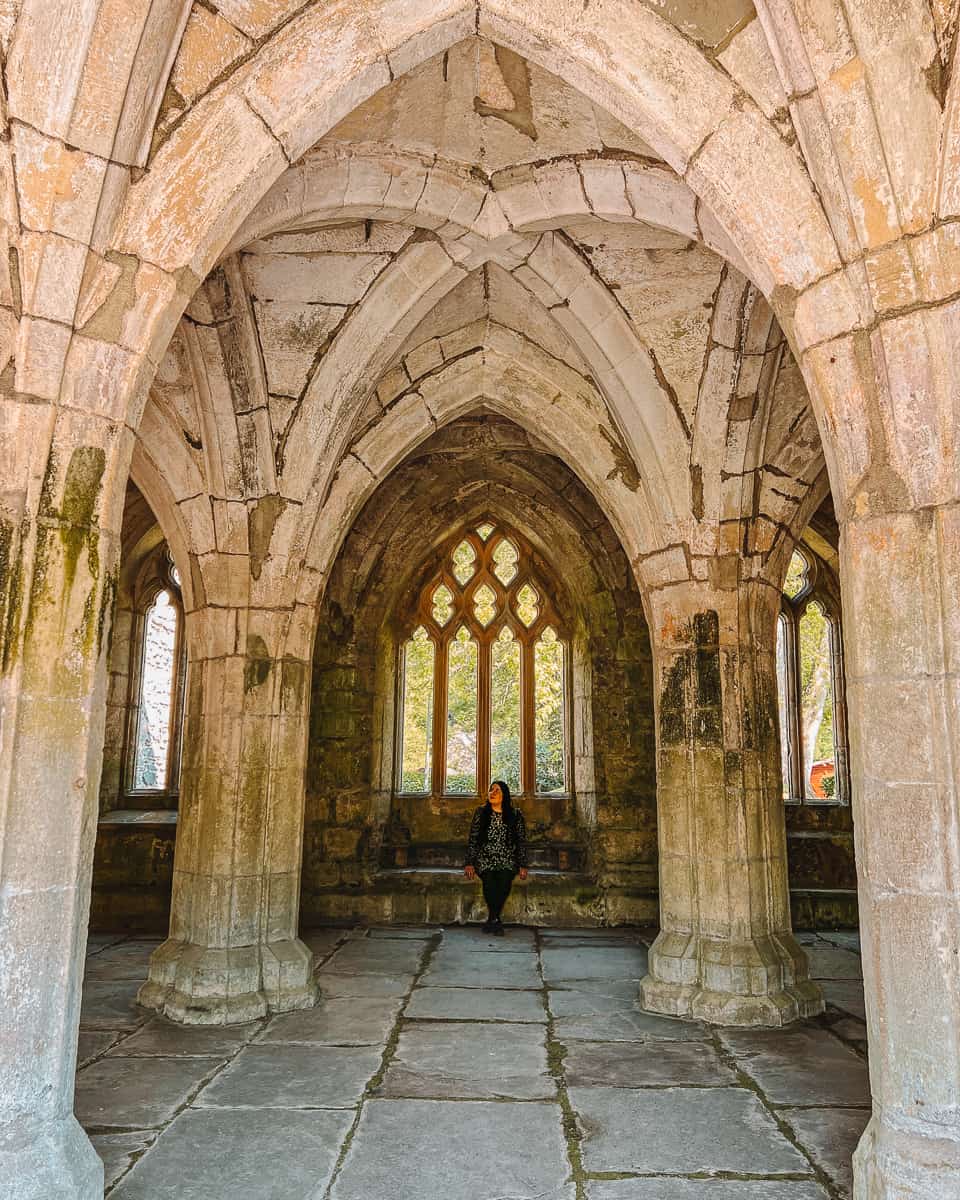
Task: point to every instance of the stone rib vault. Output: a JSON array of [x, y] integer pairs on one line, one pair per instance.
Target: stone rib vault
[[695, 265]]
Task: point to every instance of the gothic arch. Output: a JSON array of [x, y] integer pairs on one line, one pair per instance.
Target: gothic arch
[[508, 377], [610, 347], [239, 139]]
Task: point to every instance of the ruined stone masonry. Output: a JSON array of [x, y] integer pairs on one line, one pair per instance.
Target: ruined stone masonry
[[295, 297]]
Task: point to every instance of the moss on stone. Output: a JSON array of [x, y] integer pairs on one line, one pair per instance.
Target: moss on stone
[[261, 522], [258, 663], [11, 589]]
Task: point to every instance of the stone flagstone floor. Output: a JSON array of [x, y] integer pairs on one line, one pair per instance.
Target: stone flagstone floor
[[446, 1064]]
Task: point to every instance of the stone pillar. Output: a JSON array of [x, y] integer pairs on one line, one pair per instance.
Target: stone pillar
[[233, 953], [901, 602], [725, 953], [56, 595]]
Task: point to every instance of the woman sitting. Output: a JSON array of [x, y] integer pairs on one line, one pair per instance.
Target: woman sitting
[[497, 851]]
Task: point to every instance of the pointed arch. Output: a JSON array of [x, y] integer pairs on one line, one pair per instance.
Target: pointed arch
[[239, 138], [507, 376], [647, 426]]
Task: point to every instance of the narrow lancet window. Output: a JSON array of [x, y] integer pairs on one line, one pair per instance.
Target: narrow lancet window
[[816, 704], [505, 709], [810, 685], [151, 771], [550, 716], [461, 775], [416, 772]]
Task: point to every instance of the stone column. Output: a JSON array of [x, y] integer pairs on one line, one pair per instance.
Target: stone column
[[725, 953], [233, 953], [901, 607], [56, 595]]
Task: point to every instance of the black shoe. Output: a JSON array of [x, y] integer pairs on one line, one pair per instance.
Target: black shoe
[[487, 926], [497, 929]]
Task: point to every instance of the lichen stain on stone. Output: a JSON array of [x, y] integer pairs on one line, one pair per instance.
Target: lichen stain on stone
[[706, 629], [708, 677], [294, 677], [108, 604], [673, 702], [106, 322], [879, 229], [78, 529], [11, 591], [624, 468], [256, 670], [850, 74], [74, 525], [516, 77], [262, 522]]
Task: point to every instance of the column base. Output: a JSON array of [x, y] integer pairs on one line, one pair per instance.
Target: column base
[[764, 982], [891, 1165], [48, 1160], [199, 985]]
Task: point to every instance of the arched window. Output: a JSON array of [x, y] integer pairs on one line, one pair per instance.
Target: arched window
[[156, 692], [483, 675], [813, 743]]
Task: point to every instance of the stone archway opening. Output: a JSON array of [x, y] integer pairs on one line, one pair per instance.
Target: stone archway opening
[[610, 310], [376, 848], [143, 737]]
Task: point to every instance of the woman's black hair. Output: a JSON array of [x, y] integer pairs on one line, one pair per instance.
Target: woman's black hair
[[509, 812]]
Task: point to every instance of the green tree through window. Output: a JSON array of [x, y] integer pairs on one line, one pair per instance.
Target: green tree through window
[[483, 674]]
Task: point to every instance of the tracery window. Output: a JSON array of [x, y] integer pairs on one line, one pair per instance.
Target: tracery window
[[813, 742], [157, 689], [483, 675]]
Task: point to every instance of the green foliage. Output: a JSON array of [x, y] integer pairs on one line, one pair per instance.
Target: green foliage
[[505, 761], [418, 660], [505, 706], [505, 713], [462, 716], [548, 699], [815, 677], [796, 576]]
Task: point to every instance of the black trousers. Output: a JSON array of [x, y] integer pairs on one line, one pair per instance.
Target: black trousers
[[496, 889]]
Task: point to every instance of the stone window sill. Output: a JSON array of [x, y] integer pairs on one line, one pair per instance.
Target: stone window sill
[[139, 816]]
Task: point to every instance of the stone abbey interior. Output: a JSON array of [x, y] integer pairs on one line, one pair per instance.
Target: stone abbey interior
[[400, 398]]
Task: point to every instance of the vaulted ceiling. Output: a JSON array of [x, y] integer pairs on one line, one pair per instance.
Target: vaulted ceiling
[[480, 236]]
